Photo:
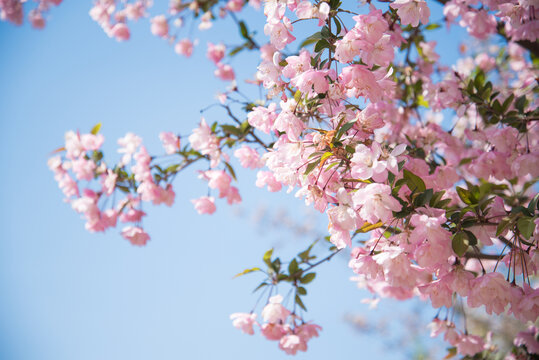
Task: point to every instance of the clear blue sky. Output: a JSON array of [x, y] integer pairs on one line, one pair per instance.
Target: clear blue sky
[[67, 294]]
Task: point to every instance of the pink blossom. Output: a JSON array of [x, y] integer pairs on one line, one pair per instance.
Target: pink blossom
[[411, 12], [233, 196], [120, 32], [204, 205], [159, 26], [273, 331], [224, 72], [12, 11], [171, 142], [470, 345], [279, 34], [36, 19], [439, 292], [274, 312], [264, 178], [135, 235], [244, 322], [249, 157], [216, 52], [184, 47], [262, 118], [323, 13], [491, 290], [528, 338], [365, 163], [217, 179], [91, 142], [132, 215], [376, 203], [361, 82], [108, 182], [83, 169], [202, 139], [291, 344], [129, 144]]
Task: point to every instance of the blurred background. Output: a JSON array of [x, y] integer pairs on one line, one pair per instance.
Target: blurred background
[[67, 294]]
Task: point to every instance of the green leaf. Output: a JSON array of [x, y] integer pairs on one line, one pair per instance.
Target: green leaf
[[293, 267], [307, 278], [503, 225], [297, 96], [300, 303], [422, 102], [325, 32], [326, 155], [231, 129], [464, 195], [459, 243], [243, 30], [345, 128], [311, 167], [231, 171], [413, 181], [432, 26], [338, 25], [321, 45], [532, 206], [301, 290], [507, 103], [247, 271], [95, 129], [260, 287], [526, 226], [520, 104], [267, 257], [311, 39], [479, 80], [172, 168], [472, 239], [423, 198], [436, 197], [237, 49]]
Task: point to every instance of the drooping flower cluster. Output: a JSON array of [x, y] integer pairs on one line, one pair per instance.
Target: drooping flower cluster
[[280, 325]]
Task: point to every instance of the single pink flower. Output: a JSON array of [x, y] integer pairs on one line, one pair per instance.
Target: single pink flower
[[204, 205], [135, 235]]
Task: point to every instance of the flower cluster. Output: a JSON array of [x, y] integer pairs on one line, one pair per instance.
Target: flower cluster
[[358, 127], [280, 325]]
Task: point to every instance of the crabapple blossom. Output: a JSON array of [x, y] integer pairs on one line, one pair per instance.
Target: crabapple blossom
[[135, 235], [204, 205], [244, 322], [425, 169]]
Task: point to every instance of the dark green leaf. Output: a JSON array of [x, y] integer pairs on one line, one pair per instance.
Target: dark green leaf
[[526, 226], [293, 267], [307, 278], [459, 243], [231, 171], [413, 181], [300, 303], [503, 225], [243, 30], [311, 167]]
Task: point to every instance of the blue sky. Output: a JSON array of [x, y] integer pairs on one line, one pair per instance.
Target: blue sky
[[68, 294]]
